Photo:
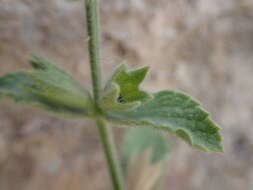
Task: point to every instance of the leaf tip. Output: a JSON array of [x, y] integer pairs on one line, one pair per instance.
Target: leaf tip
[[37, 62]]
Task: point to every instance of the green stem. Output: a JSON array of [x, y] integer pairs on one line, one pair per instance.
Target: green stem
[[105, 132], [92, 18], [110, 153]]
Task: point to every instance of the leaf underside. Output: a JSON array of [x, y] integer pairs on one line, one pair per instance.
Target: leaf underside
[[177, 113], [48, 87], [139, 140], [144, 156]]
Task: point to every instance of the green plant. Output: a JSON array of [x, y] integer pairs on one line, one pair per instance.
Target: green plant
[[121, 102]]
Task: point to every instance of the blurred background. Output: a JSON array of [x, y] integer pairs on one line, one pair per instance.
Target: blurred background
[[203, 47]]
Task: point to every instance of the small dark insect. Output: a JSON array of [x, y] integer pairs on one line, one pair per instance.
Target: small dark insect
[[121, 99]]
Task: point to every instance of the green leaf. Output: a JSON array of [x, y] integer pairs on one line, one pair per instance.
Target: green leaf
[[129, 81], [139, 140], [122, 91], [51, 74], [144, 157], [47, 87], [175, 112], [110, 100]]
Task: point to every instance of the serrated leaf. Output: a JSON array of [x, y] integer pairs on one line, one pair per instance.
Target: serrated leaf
[[47, 87], [144, 157], [174, 112], [110, 100], [122, 91], [129, 82]]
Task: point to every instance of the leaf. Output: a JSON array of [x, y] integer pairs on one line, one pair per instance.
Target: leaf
[[110, 100], [48, 72], [122, 91], [177, 113], [144, 157], [47, 87], [139, 140], [129, 81]]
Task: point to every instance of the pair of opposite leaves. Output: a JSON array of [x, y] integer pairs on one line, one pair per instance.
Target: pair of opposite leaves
[[48, 87]]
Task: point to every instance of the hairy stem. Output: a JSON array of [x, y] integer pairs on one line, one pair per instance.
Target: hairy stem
[[110, 153], [92, 17]]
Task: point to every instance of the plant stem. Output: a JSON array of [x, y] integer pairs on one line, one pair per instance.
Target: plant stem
[[92, 17], [110, 153]]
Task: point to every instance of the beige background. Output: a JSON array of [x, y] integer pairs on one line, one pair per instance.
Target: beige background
[[204, 47]]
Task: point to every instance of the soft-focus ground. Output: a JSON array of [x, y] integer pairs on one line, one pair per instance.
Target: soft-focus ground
[[203, 47]]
